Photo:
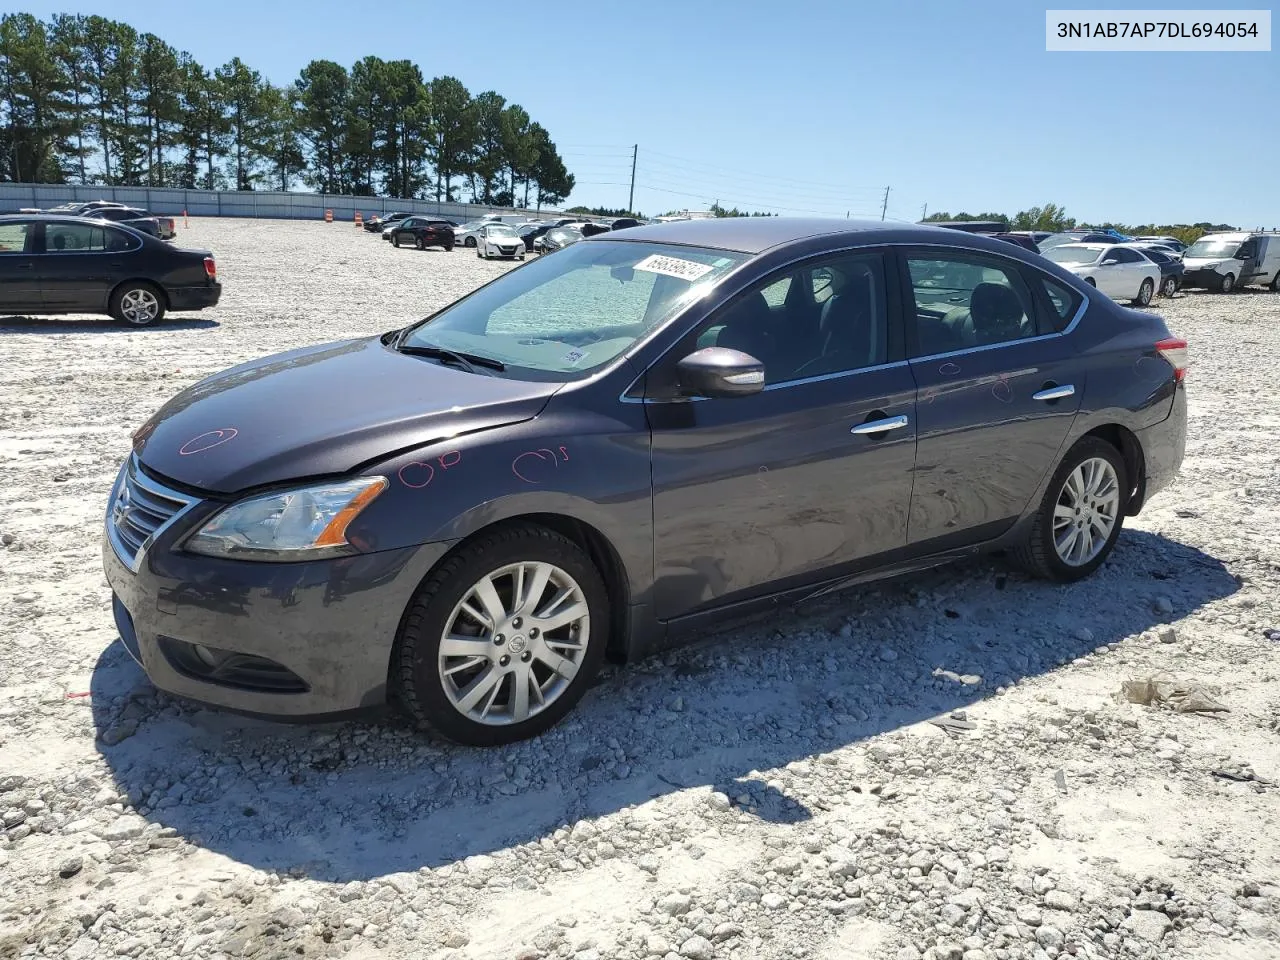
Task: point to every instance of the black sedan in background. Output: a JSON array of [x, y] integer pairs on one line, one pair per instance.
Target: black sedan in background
[[530, 232], [53, 265], [1171, 269], [616, 447], [134, 217], [423, 232]]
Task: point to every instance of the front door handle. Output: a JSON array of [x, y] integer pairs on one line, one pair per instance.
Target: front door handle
[[880, 426], [1055, 393]]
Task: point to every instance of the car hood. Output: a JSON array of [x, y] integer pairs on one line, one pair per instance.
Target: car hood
[[320, 411]]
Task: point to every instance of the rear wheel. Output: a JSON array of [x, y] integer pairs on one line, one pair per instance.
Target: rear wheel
[[470, 241], [1145, 292], [1227, 283], [1080, 518], [1169, 286], [503, 638], [448, 248], [137, 303], [420, 243]]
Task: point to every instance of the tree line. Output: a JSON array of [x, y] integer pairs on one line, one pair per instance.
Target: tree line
[[1053, 217], [89, 100]]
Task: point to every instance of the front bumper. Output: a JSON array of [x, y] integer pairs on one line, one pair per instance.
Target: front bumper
[[327, 624], [1201, 279], [194, 298]]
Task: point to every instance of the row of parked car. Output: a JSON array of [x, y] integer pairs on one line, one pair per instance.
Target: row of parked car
[[494, 236], [136, 218], [1136, 268]]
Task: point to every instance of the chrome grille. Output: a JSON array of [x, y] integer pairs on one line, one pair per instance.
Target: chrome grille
[[140, 510]]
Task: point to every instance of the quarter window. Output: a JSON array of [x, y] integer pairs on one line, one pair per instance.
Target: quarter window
[[1064, 303], [962, 302], [13, 237], [74, 238]]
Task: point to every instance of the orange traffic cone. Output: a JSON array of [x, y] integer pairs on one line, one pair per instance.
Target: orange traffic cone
[[185, 221], [359, 219], [328, 216]]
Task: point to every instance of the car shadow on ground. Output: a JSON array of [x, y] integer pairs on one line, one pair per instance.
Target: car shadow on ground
[[25, 324], [354, 801]]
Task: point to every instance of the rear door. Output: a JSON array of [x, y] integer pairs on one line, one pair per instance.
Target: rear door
[[755, 494], [81, 263], [999, 387], [19, 284]]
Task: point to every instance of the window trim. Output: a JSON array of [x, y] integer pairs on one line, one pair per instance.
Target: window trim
[[28, 239], [895, 344], [108, 228]]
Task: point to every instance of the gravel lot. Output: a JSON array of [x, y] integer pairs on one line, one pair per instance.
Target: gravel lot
[[778, 791]]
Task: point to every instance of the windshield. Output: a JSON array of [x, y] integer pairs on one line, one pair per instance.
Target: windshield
[[564, 234], [560, 317], [1067, 254], [1209, 247], [500, 230], [1056, 239]]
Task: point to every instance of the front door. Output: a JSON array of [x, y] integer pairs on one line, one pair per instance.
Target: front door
[[76, 270], [754, 494], [999, 388], [19, 286]]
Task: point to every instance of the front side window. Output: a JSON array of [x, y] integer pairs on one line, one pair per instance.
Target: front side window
[[840, 326], [1121, 255], [963, 302], [559, 317], [13, 237], [74, 238]]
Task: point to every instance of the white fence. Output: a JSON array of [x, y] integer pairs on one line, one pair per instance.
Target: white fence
[[236, 203]]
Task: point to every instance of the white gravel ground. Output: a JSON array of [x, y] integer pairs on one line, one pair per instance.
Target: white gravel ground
[[775, 792]]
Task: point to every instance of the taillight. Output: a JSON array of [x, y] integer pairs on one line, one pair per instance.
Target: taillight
[[211, 269], [1174, 349]]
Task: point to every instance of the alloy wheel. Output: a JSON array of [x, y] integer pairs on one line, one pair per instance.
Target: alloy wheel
[[139, 306], [514, 642], [1087, 510]]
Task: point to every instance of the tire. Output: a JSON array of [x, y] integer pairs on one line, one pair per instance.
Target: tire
[[1169, 286], [1227, 283], [1145, 292], [448, 248], [1040, 554], [420, 243], [1091, 282], [469, 241], [137, 303], [1275, 282], [395, 240], [417, 671]]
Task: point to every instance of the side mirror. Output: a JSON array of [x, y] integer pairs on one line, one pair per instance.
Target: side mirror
[[720, 372], [1109, 261]]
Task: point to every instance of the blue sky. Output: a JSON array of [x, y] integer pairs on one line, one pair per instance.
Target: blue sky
[[810, 107]]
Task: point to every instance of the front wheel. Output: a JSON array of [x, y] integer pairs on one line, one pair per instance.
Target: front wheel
[[138, 304], [395, 240], [448, 248], [1091, 282], [503, 638], [1079, 520], [1144, 293], [1169, 286], [1227, 283]]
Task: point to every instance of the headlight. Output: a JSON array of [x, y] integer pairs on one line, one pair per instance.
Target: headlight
[[302, 524]]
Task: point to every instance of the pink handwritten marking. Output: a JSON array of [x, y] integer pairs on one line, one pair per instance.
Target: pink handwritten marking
[[949, 369], [77, 696], [207, 441], [1002, 391], [564, 453], [446, 462], [419, 465], [543, 454]]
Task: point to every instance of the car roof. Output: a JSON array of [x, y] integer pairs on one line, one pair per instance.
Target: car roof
[[54, 217], [754, 235], [1086, 246]]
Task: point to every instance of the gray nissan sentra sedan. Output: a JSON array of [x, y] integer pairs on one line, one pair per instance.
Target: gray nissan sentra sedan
[[614, 445]]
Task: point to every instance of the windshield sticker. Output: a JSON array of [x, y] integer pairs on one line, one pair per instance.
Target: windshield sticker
[[674, 267], [573, 356]]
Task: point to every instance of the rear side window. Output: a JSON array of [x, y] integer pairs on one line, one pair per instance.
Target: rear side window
[[13, 237], [963, 302], [74, 238], [1063, 303]]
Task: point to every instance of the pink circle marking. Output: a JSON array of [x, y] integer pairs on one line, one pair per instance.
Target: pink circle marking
[[207, 441]]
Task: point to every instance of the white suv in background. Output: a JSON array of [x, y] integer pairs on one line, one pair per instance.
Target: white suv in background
[[1121, 272]]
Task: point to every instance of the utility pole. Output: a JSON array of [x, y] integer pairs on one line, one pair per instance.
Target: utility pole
[[631, 198], [924, 212], [885, 206]]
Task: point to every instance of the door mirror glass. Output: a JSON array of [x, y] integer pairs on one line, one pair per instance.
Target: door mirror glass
[[720, 372], [1110, 261]]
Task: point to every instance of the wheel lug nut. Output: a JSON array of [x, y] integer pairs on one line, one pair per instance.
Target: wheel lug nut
[[499, 640], [526, 657], [516, 623], [533, 632], [503, 660]]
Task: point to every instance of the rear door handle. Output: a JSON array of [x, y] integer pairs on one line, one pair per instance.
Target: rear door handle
[[1055, 393], [880, 426]]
